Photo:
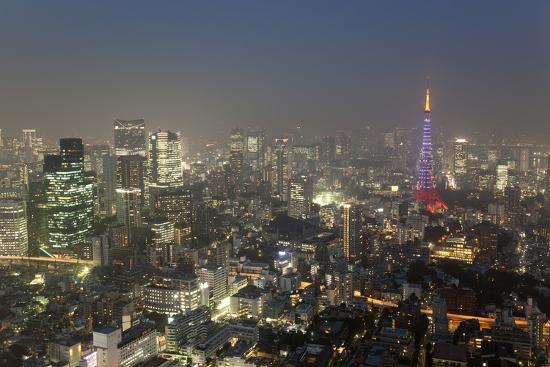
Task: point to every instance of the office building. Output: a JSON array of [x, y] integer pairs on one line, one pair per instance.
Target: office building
[[453, 249], [129, 211], [172, 293], [255, 151], [161, 240], [282, 170], [351, 232], [165, 154], [460, 157], [186, 330], [301, 196], [71, 153], [502, 177], [249, 301], [215, 279], [130, 138], [132, 347], [236, 158], [130, 172], [69, 197], [174, 205], [13, 228], [29, 144]]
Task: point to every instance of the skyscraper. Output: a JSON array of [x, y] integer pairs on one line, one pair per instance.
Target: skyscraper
[[129, 211], [425, 189], [236, 158], [460, 157], [130, 173], [351, 232], [13, 228], [255, 150], [300, 196], [37, 214], [162, 239], [130, 138], [282, 171], [174, 205], [328, 150], [71, 152], [502, 176], [29, 142], [69, 198], [166, 160], [98, 159]]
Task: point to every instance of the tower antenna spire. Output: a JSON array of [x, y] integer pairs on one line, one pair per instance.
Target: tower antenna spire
[[427, 109]]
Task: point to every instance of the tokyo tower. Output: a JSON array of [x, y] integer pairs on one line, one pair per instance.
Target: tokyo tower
[[425, 187]]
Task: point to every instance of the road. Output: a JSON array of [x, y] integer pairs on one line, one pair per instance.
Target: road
[[453, 317], [51, 260]]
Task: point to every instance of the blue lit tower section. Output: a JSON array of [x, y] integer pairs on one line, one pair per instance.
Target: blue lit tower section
[[425, 189], [425, 165]]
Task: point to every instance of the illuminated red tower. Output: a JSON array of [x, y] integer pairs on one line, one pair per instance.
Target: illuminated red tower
[[425, 187]]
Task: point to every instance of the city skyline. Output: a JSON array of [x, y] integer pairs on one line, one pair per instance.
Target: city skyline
[[282, 184], [199, 70]]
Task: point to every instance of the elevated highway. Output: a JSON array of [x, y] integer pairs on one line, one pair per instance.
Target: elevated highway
[[44, 261]]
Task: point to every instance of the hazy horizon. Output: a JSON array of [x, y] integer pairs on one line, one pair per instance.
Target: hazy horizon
[[70, 68]]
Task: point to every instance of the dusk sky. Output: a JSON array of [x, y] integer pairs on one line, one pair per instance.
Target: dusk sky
[[68, 68]]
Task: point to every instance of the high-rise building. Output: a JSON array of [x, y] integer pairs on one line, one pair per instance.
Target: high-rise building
[[255, 150], [389, 140], [502, 177], [460, 157], [37, 214], [236, 158], [69, 198], [71, 152], [351, 232], [162, 238], [98, 159], [301, 196], [282, 171], [524, 159], [93, 157], [13, 228], [130, 172], [129, 211], [29, 143], [512, 198], [110, 184], [174, 205], [218, 254], [166, 160], [130, 175], [130, 138], [328, 150]]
